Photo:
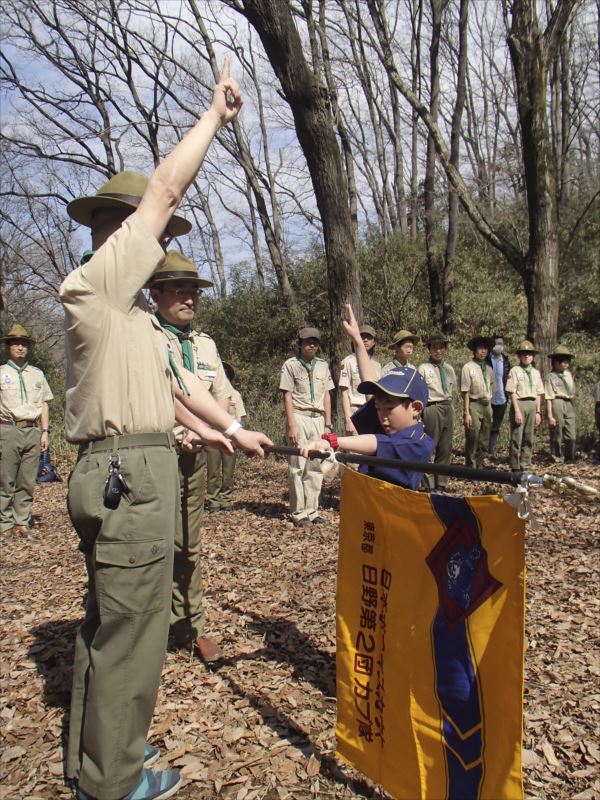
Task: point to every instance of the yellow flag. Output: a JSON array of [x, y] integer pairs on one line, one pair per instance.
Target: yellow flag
[[430, 641]]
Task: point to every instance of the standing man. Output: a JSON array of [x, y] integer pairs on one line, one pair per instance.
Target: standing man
[[123, 392], [24, 428], [352, 400], [526, 391], [438, 416], [175, 288], [305, 383], [403, 345], [501, 367], [477, 384]]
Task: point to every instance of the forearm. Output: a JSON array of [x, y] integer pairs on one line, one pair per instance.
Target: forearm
[[225, 404], [466, 402], [366, 370], [190, 421], [327, 407], [45, 417], [289, 409], [514, 401], [346, 404], [201, 403], [365, 444]]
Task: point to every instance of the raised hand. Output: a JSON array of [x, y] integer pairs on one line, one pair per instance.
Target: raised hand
[[227, 99], [350, 325]]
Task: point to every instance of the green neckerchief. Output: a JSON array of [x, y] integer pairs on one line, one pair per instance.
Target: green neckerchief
[[529, 371], [440, 365], [186, 350], [20, 370], [561, 375], [309, 366], [483, 366]]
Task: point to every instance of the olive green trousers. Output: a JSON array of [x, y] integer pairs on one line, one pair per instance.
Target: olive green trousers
[[187, 610], [18, 471], [477, 437], [564, 436], [438, 420], [120, 646], [219, 481], [522, 436]]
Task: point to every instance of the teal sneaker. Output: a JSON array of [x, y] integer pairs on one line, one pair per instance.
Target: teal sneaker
[[151, 754], [153, 785]]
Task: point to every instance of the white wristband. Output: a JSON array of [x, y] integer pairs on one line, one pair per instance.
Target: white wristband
[[235, 426]]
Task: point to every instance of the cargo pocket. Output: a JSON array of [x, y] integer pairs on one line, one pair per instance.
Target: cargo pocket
[[131, 577]]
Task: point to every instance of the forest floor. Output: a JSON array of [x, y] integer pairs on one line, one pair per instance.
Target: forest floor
[[260, 724]]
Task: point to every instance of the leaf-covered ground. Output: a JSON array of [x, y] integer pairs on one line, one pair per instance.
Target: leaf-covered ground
[[261, 724]]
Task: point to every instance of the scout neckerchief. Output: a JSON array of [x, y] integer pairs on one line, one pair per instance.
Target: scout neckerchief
[[20, 370], [561, 375], [529, 372], [398, 364], [440, 365], [309, 366], [186, 350], [483, 365]]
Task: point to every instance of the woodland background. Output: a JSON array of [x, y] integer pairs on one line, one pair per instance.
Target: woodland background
[[434, 162]]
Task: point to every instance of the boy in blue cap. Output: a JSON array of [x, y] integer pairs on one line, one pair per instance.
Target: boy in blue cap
[[389, 425]]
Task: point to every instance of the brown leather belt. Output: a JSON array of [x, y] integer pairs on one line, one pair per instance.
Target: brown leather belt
[[20, 423]]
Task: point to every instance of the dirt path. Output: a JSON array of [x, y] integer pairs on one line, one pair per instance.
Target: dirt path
[[261, 724]]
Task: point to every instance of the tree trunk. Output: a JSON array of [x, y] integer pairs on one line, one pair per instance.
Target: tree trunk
[[310, 107]]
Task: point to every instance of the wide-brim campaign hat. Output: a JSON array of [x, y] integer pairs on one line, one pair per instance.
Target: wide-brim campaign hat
[[403, 336], [17, 332], [309, 333], [526, 347], [124, 190], [561, 351], [404, 383], [368, 329], [436, 336], [474, 343], [176, 267]]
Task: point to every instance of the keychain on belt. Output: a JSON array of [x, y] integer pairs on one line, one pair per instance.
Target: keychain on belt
[[116, 485]]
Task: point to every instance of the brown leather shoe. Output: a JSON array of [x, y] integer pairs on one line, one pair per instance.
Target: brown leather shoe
[[206, 648]]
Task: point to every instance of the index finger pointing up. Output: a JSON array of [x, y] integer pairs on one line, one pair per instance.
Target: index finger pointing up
[[225, 70]]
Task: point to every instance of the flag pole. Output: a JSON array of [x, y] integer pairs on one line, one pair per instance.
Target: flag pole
[[561, 484]]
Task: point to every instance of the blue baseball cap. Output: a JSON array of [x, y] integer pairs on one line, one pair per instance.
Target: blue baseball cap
[[403, 382]]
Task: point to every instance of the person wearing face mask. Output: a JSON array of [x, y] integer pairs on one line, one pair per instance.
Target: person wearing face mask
[[306, 384], [500, 365]]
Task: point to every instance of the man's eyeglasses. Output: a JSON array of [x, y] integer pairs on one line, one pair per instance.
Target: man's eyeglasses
[[185, 292]]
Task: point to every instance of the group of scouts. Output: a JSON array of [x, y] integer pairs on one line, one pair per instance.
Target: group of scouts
[[488, 385], [146, 394]]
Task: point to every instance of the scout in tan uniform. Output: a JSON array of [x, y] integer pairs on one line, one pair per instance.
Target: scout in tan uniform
[[560, 401], [306, 383], [403, 344], [124, 493], [24, 420], [175, 288], [525, 389], [221, 466], [477, 384], [352, 400], [438, 416]]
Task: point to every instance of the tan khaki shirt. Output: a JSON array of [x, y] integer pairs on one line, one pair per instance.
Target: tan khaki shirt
[[472, 381], [28, 407], [294, 379], [236, 405], [518, 383], [392, 365], [350, 378], [431, 374], [554, 387], [207, 366], [118, 375]]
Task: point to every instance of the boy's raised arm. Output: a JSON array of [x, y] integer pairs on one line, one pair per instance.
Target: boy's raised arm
[[366, 370]]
